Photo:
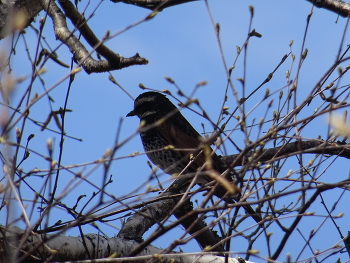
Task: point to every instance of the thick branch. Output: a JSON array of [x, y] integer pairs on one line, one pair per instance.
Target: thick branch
[[197, 227], [145, 218], [26, 9], [336, 6], [158, 5], [63, 248], [115, 61], [154, 213], [81, 55], [32, 7]]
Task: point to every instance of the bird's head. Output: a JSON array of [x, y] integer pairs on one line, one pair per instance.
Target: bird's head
[[150, 103]]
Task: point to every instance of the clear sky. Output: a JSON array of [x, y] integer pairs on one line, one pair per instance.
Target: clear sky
[[180, 43]]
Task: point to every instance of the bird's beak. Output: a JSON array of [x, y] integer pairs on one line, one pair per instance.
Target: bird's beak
[[131, 113]]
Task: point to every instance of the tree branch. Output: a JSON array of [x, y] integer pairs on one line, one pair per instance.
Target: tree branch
[[154, 213], [25, 9], [289, 149], [336, 6], [62, 248], [81, 55], [115, 61], [158, 5]]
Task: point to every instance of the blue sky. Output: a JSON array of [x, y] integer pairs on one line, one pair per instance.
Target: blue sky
[[180, 43]]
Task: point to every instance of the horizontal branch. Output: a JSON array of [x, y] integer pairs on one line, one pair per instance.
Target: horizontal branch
[[337, 6], [290, 149], [158, 5], [68, 248]]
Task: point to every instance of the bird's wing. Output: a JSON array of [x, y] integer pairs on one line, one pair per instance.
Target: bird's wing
[[180, 134], [185, 139]]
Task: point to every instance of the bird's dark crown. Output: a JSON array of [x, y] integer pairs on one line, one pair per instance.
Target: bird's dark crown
[[151, 102]]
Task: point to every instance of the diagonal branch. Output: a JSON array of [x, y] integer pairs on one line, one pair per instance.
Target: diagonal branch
[[115, 61], [137, 224], [81, 55], [301, 212]]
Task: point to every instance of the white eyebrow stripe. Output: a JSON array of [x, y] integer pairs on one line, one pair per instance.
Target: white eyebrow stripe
[[150, 112], [146, 99]]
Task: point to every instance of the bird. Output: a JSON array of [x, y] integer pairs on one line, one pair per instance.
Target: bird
[[172, 144]]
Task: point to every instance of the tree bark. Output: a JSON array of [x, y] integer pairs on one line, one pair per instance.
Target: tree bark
[[40, 248]]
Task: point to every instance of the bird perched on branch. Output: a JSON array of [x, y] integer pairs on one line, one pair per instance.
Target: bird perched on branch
[[176, 147]]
